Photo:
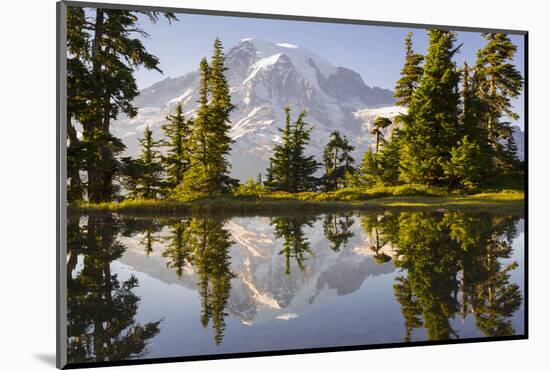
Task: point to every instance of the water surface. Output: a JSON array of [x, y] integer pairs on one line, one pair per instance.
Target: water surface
[[145, 287]]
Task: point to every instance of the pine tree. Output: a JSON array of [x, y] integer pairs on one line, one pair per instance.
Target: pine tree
[[210, 143], [220, 109], [78, 44], [431, 125], [101, 86], [195, 181], [338, 161], [410, 74], [278, 173], [146, 181], [497, 82], [176, 159], [289, 168]]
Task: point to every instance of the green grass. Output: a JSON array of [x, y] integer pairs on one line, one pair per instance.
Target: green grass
[[411, 197]]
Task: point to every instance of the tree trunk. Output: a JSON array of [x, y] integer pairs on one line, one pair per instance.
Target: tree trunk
[[94, 175]]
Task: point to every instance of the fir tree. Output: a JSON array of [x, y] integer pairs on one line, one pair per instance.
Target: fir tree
[[278, 173], [338, 161], [145, 181], [290, 169], [410, 74], [208, 172], [220, 109], [78, 90], [431, 125], [196, 179], [177, 157], [389, 158], [103, 54], [497, 83]]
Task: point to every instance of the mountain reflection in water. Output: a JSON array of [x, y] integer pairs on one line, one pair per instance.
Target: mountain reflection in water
[[142, 287]]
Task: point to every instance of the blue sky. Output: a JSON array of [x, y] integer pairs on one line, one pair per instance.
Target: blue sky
[[377, 53]]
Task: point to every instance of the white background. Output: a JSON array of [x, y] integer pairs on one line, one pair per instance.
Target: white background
[[27, 182]]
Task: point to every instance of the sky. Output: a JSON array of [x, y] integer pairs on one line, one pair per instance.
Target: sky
[[376, 52]]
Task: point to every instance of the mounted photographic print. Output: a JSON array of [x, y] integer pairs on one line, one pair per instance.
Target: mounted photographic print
[[237, 184]]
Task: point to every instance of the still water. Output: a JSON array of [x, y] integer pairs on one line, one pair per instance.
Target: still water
[[145, 287]]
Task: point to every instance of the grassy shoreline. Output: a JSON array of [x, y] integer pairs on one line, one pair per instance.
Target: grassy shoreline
[[502, 201]]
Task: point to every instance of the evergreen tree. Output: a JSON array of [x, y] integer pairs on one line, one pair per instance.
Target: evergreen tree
[[369, 170], [379, 124], [497, 83], [220, 109], [338, 161], [278, 173], [289, 168], [431, 125], [196, 178], [410, 74], [463, 168], [78, 90], [389, 158], [145, 181], [177, 157], [208, 172], [103, 55]]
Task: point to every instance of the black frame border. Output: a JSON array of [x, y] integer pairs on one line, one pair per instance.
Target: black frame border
[[61, 250]]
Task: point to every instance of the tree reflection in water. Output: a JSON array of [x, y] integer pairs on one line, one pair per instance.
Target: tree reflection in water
[[204, 244], [100, 308], [295, 243], [453, 265], [337, 229]]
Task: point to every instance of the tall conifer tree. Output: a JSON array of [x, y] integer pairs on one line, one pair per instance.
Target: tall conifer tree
[[220, 109], [146, 183], [107, 53], [498, 82], [177, 156], [289, 168], [410, 74], [195, 181], [431, 125], [338, 160], [210, 143]]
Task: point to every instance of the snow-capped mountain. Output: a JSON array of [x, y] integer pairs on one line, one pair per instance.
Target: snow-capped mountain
[[264, 77]]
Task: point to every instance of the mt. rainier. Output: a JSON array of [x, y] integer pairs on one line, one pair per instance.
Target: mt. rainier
[[265, 77]]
